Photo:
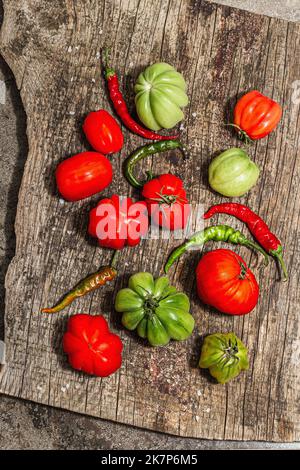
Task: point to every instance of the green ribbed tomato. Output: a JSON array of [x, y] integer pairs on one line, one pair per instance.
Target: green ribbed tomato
[[232, 173], [155, 309], [160, 95], [224, 355]]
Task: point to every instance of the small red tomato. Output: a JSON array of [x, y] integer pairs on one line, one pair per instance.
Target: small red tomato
[[256, 115], [83, 175], [118, 222], [167, 203], [91, 347], [103, 132], [225, 282]]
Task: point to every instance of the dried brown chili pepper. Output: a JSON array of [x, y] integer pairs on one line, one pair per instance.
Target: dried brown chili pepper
[[89, 284], [121, 107], [257, 227]]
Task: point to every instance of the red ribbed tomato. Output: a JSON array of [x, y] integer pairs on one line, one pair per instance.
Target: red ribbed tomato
[[256, 115], [118, 222], [90, 345], [225, 282]]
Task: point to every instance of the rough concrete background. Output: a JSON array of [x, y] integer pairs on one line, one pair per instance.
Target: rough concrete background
[[284, 9], [25, 425]]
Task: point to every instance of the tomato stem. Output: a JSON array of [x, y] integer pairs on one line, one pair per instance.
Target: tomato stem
[[243, 272], [242, 134], [168, 199]]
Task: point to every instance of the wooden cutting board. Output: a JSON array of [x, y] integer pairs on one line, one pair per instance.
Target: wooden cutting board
[[53, 50]]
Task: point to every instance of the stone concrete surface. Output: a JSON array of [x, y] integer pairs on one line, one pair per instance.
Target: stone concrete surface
[[285, 9], [25, 425]]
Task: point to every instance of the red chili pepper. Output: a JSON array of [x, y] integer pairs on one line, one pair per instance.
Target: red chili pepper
[[122, 110], [256, 225]]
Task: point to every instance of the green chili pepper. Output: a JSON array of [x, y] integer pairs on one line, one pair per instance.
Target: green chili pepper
[[217, 233], [139, 154]]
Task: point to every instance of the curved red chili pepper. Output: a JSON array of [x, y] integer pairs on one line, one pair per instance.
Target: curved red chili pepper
[[256, 225]]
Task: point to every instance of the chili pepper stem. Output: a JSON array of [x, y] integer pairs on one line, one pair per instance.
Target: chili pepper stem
[[105, 56], [114, 260], [279, 258], [261, 250], [105, 60], [242, 134]]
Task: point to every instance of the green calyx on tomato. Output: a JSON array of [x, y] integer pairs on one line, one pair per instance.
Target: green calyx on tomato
[[160, 95], [155, 309], [232, 173], [224, 355]]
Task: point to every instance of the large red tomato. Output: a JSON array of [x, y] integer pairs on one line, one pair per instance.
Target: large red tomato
[[225, 282], [256, 115], [83, 175], [103, 132], [166, 201]]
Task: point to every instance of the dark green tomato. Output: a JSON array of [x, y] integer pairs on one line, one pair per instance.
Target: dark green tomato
[[155, 309], [224, 355]]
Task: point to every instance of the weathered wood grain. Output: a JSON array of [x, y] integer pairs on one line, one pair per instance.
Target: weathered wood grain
[[52, 48]]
